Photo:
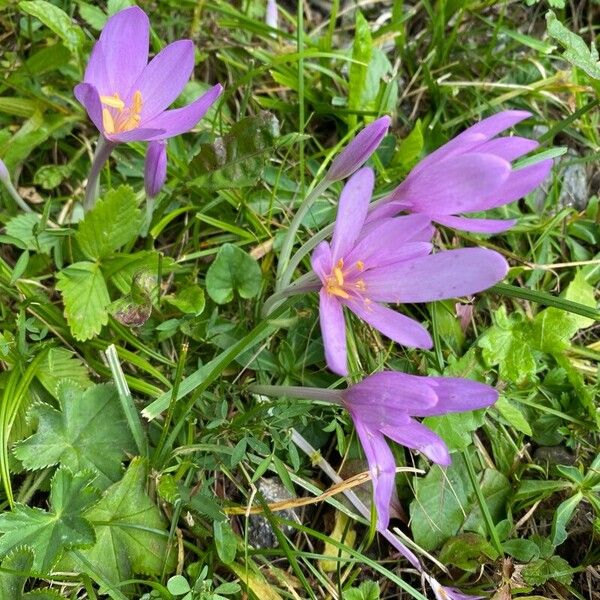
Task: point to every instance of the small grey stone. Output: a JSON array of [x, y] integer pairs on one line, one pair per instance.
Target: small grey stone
[[574, 182], [260, 531]]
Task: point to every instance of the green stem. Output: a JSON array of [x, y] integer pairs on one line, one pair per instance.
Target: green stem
[[290, 236], [103, 150]]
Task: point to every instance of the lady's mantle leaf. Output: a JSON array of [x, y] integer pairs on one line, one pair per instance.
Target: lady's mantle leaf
[[233, 269], [52, 532], [85, 298], [13, 576], [89, 432], [130, 532]]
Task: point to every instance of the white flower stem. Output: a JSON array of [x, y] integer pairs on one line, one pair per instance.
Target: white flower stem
[[317, 459], [16, 196], [308, 282], [294, 391], [103, 150]]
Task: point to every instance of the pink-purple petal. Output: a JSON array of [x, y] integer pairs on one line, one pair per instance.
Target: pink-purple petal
[[382, 468], [396, 326], [95, 71], [418, 437], [180, 120], [509, 148], [490, 226], [389, 234], [448, 274], [456, 186], [520, 183], [495, 124], [465, 142], [125, 43], [333, 330], [321, 260], [457, 395], [155, 167], [89, 98], [358, 151], [393, 390], [163, 79], [352, 210], [141, 134]]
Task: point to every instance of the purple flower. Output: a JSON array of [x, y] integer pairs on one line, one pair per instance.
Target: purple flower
[[384, 404], [389, 261], [358, 151], [448, 593], [271, 15], [472, 172], [4, 174], [126, 96], [155, 168]]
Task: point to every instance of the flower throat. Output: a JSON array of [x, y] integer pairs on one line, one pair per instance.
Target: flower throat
[[116, 117]]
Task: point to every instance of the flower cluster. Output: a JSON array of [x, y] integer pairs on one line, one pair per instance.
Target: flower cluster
[[376, 256]]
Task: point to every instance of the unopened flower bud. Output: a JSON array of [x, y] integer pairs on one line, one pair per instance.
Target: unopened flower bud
[[359, 150], [4, 175], [155, 170], [271, 17]]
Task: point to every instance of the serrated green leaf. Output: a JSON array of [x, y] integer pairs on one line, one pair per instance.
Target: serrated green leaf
[[28, 229], [508, 345], [54, 531], [467, 551], [238, 158], [576, 51], [20, 562], [554, 328], [85, 298], [57, 20], [114, 221], [88, 432], [232, 270], [51, 176], [542, 570], [130, 531]]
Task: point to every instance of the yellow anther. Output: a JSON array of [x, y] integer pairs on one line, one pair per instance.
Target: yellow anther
[[131, 123], [360, 265], [137, 102], [339, 275], [337, 291], [113, 101], [107, 121], [360, 285]]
